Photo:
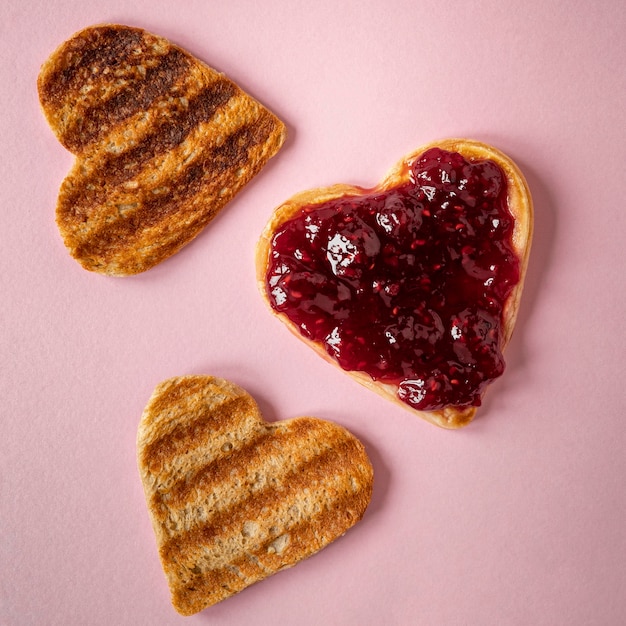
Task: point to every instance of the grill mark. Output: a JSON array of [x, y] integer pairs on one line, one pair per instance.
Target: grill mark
[[98, 120], [213, 170], [88, 54], [218, 470], [179, 391], [212, 167], [199, 587], [316, 473], [244, 461], [167, 133], [196, 432]]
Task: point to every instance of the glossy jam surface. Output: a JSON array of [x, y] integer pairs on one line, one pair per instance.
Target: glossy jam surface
[[407, 285]]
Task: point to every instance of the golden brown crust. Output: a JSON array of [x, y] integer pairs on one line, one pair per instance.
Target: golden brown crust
[[234, 499], [520, 206], [162, 141]]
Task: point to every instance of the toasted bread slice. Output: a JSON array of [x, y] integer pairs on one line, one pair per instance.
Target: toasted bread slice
[[519, 204], [162, 142], [234, 499]]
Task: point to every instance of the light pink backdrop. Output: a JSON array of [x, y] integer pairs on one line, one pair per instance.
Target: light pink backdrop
[[519, 519]]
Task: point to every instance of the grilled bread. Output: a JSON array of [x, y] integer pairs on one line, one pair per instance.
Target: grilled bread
[[162, 143], [519, 204], [234, 499]]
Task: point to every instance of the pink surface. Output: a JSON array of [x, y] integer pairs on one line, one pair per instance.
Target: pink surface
[[519, 518]]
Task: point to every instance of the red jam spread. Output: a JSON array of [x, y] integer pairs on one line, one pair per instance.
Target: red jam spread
[[407, 285]]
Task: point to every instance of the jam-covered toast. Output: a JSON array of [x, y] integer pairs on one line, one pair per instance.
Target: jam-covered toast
[[411, 287]]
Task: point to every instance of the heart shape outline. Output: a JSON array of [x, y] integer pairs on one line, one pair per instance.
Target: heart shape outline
[[233, 498], [520, 205], [162, 143]]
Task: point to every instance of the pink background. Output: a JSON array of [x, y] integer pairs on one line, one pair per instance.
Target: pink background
[[519, 518]]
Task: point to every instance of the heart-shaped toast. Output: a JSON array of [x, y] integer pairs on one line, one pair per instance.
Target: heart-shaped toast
[[412, 287], [234, 499], [162, 143]]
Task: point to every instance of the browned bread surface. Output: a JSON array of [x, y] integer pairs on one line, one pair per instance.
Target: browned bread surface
[[234, 499], [519, 204], [162, 142]]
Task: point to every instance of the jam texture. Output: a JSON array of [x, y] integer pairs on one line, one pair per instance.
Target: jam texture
[[407, 285]]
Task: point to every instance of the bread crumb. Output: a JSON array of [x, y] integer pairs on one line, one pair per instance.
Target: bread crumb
[[250, 529], [279, 544]]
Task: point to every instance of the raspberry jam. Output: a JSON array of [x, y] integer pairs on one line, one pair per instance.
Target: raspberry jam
[[407, 285]]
